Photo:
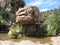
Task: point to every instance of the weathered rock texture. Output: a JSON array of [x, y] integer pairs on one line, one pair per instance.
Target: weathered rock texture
[[32, 30], [28, 15], [11, 5], [5, 4]]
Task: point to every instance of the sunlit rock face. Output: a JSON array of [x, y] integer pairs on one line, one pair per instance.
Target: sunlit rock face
[[11, 4], [5, 4], [28, 15]]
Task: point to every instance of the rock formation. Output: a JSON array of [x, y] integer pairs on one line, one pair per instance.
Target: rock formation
[[30, 18], [11, 4], [28, 15]]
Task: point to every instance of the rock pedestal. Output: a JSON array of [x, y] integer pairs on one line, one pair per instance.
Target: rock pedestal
[[32, 29], [29, 29]]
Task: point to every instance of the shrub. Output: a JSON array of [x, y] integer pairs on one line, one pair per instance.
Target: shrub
[[15, 31], [51, 26]]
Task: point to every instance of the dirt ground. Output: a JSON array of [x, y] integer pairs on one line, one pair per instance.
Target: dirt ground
[[30, 40]]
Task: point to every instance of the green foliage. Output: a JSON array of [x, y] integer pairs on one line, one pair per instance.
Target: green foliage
[[6, 17], [15, 31], [10, 16], [16, 4], [0, 17], [50, 44], [51, 19], [2, 22], [51, 26]]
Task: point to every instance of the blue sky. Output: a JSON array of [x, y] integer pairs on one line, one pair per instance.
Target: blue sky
[[44, 5]]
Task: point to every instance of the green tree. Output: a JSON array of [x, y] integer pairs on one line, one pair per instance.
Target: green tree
[[16, 4], [52, 20], [9, 16]]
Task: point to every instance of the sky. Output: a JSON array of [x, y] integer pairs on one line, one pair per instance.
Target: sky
[[44, 5]]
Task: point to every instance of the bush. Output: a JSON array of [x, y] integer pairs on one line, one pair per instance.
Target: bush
[[51, 26], [15, 31]]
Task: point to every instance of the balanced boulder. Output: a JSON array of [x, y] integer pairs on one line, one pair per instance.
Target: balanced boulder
[[28, 15]]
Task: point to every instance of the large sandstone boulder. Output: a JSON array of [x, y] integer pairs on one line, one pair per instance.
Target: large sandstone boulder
[[28, 15]]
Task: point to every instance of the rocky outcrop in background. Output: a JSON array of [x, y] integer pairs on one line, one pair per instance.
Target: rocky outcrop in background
[[11, 4]]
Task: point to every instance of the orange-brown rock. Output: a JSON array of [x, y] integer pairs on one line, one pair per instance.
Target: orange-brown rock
[[28, 15]]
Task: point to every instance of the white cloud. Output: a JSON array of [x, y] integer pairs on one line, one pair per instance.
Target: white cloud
[[42, 2], [44, 9], [50, 2], [46, 4], [36, 3]]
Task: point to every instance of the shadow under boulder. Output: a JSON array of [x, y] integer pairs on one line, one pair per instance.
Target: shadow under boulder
[[4, 29], [34, 30]]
